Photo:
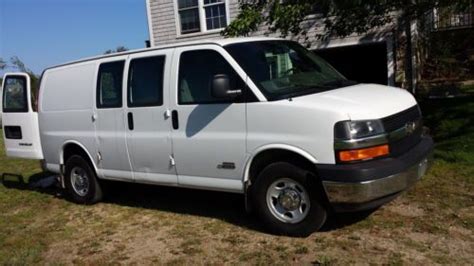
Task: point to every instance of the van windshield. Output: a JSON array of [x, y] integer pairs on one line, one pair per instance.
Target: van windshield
[[285, 69]]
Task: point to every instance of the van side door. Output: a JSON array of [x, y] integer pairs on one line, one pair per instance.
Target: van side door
[[147, 119], [19, 120], [109, 122], [209, 134]]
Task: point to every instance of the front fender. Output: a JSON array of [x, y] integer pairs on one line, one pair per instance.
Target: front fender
[[263, 148]]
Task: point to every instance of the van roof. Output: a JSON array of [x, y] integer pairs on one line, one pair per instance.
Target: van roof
[[220, 42]]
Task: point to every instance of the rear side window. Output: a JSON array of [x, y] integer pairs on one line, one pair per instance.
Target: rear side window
[[145, 82], [109, 85], [196, 71], [15, 95]]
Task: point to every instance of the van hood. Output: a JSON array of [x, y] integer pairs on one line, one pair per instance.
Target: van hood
[[362, 101]]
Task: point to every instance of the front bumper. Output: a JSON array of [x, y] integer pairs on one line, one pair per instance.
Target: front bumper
[[370, 184]]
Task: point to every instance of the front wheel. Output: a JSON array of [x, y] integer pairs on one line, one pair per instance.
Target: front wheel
[[286, 199], [81, 181]]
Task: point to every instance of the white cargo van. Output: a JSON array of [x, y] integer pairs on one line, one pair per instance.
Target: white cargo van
[[263, 117]]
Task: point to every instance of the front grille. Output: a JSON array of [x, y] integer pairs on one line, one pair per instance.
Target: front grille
[[401, 146], [396, 121], [399, 120]]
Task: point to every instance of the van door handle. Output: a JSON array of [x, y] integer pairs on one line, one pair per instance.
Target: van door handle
[[174, 119], [130, 121]]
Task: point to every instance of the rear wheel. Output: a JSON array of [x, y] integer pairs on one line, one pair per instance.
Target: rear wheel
[[81, 181], [286, 199]]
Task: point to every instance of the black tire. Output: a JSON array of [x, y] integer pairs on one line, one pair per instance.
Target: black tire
[[316, 215], [94, 191]]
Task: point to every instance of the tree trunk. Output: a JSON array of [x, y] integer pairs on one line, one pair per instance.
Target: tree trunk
[[408, 56]]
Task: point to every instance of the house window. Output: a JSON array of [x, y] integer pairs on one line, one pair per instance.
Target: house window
[[201, 15], [189, 16], [215, 14]]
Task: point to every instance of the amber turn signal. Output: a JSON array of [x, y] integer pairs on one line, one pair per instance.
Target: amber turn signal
[[363, 154]]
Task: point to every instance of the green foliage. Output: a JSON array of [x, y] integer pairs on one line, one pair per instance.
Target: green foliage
[[119, 49], [18, 64], [452, 125], [340, 17], [247, 21], [3, 64], [450, 55]]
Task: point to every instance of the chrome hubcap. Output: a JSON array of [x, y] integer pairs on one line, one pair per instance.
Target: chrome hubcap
[[288, 201], [79, 181]]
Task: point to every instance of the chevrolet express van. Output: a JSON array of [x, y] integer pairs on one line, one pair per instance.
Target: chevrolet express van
[[258, 116]]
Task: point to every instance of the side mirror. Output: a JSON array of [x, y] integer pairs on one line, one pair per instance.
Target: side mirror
[[221, 87]]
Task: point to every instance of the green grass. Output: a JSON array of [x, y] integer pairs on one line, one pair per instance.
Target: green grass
[[467, 88], [432, 223]]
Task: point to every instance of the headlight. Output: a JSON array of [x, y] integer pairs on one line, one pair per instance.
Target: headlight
[[357, 129]]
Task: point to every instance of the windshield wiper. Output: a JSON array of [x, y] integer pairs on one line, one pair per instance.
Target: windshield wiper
[[304, 91], [340, 83]]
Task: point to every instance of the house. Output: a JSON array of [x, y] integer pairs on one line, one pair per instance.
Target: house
[[375, 57], [372, 56]]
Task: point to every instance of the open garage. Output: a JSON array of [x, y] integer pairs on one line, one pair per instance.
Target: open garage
[[365, 63]]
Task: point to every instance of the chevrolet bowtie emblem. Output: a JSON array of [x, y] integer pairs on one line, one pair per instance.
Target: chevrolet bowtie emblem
[[410, 127]]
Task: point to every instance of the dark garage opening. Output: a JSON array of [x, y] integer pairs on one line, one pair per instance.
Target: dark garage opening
[[365, 63]]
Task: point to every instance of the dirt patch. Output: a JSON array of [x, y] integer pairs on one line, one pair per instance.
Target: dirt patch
[[406, 209], [170, 226]]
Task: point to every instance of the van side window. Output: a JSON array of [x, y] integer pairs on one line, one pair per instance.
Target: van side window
[[196, 71], [109, 85], [145, 82], [15, 95]]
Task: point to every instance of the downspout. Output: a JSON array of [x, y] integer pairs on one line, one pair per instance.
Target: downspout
[[150, 23]]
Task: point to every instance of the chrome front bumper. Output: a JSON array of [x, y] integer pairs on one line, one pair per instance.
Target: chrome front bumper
[[367, 191]]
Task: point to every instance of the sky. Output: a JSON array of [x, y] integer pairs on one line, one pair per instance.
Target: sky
[[44, 33]]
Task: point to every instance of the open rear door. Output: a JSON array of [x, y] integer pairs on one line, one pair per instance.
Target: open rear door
[[19, 120]]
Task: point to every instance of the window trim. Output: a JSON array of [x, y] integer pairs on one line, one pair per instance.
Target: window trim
[[202, 20], [26, 108], [129, 103], [98, 91]]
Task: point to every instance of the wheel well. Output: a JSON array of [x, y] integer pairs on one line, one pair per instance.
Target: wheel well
[[267, 157], [73, 149]]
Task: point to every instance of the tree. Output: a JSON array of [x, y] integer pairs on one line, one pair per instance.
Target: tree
[[3, 64], [119, 49], [340, 18], [20, 66]]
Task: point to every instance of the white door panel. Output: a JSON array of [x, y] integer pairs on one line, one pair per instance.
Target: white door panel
[[208, 134], [149, 145], [111, 138], [149, 130], [20, 122], [110, 128], [208, 137]]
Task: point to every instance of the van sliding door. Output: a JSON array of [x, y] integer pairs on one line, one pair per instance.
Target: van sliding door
[[109, 123], [149, 129]]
